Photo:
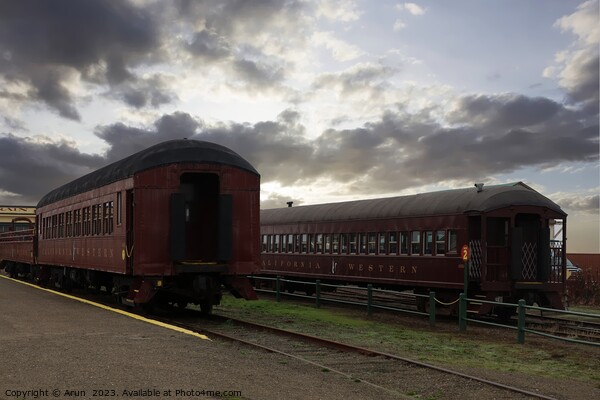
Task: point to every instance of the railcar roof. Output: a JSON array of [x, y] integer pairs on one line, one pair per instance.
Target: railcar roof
[[165, 153], [446, 202]]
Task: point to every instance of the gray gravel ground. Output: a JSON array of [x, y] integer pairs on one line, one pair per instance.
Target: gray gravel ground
[[50, 343]]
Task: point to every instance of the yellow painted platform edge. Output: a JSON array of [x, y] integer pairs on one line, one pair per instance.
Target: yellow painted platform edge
[[115, 310]]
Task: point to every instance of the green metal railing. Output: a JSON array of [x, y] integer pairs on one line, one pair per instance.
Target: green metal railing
[[521, 311], [463, 301], [370, 304]]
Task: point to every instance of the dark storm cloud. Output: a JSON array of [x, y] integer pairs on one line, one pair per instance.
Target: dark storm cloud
[[235, 35], [53, 47], [257, 73], [209, 46], [276, 147], [124, 140], [401, 150], [31, 169], [44, 42], [140, 93], [505, 110]]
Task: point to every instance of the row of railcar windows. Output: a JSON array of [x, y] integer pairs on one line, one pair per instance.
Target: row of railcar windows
[[93, 220], [437, 242]]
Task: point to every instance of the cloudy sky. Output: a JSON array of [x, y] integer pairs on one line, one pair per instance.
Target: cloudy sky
[[329, 99]]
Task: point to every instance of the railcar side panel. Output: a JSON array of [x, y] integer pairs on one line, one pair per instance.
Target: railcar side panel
[[86, 243]]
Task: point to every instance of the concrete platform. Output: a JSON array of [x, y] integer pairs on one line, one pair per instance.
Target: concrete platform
[[58, 348]]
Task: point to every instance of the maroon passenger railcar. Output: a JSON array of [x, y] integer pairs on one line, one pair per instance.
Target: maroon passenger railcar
[[173, 223], [413, 242]]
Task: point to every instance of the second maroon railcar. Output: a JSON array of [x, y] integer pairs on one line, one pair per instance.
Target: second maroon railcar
[[172, 223], [413, 242]]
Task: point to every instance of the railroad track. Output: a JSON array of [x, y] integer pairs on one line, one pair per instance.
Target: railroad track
[[389, 373], [386, 372], [350, 295], [567, 328]]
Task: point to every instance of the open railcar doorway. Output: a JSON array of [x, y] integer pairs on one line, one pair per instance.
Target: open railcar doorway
[[201, 202]]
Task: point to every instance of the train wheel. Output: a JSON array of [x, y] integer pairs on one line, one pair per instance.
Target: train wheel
[[206, 306], [119, 293], [182, 304], [66, 284]]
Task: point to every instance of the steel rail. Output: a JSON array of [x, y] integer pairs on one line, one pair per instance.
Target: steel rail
[[346, 348]]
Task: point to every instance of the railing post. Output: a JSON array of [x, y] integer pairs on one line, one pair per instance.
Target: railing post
[[278, 289], [369, 299], [462, 312], [432, 309], [521, 318], [318, 293]]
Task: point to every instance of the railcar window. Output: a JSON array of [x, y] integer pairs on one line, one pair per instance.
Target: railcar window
[[105, 218], [94, 218], [428, 242], [327, 243], [110, 217], [304, 243], [440, 242], [319, 242], [452, 240], [297, 243], [77, 218], [335, 243], [393, 243], [290, 243], [362, 243], [119, 211], [264, 243], [276, 243], [69, 223], [372, 243], [352, 243], [415, 248], [283, 245], [61, 225], [311, 244], [382, 243], [403, 242], [54, 226], [86, 221], [98, 221]]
